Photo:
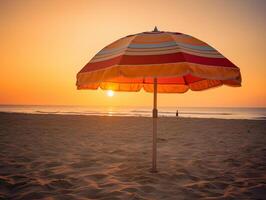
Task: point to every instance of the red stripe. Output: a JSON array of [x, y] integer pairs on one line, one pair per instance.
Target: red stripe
[[157, 59], [100, 65], [152, 59], [208, 61], [175, 57]]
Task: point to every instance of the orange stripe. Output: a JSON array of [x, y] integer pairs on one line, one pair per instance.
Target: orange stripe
[[189, 40]]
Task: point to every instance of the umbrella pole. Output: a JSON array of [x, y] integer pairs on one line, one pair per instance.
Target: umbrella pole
[[155, 116]]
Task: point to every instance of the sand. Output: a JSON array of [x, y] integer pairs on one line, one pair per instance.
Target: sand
[[87, 157]]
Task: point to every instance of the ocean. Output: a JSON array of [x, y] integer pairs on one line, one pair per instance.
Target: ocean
[[194, 112]]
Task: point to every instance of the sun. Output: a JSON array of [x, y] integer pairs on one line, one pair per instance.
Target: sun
[[110, 93]]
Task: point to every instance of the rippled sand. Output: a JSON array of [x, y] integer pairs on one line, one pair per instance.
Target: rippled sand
[[86, 157]]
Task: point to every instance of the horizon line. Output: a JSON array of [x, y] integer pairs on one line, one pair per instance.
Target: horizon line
[[131, 106]]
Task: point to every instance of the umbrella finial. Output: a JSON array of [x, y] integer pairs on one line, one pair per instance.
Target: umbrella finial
[[155, 29]]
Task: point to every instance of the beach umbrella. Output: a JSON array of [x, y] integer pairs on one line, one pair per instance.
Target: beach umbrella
[[158, 62]]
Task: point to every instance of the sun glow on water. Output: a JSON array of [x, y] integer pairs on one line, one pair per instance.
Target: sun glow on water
[[110, 93]]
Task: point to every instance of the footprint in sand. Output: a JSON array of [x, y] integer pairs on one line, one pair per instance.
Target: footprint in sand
[[83, 164], [148, 189], [52, 164], [97, 177], [161, 140], [61, 183]]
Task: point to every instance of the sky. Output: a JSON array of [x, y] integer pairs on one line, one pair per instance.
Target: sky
[[44, 44]]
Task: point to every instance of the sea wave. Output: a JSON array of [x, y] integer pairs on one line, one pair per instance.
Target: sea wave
[[222, 113]]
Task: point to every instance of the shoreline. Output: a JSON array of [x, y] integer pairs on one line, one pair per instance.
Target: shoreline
[[129, 116]]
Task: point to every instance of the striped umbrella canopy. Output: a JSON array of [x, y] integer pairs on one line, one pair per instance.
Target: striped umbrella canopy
[[179, 61], [158, 61]]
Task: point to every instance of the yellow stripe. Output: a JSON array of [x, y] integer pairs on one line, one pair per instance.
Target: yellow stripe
[[152, 39], [188, 40], [119, 43], [161, 88], [161, 70]]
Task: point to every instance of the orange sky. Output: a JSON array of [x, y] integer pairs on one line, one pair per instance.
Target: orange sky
[[43, 44]]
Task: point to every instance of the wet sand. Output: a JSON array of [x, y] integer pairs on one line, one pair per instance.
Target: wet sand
[[86, 157]]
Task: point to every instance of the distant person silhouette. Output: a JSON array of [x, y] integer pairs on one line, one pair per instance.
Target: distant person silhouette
[[176, 113]]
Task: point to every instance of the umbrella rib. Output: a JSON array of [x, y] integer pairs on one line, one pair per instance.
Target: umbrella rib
[[185, 80], [133, 37], [181, 51], [186, 83]]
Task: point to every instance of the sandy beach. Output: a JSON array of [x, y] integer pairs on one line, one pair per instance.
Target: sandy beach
[[87, 157]]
